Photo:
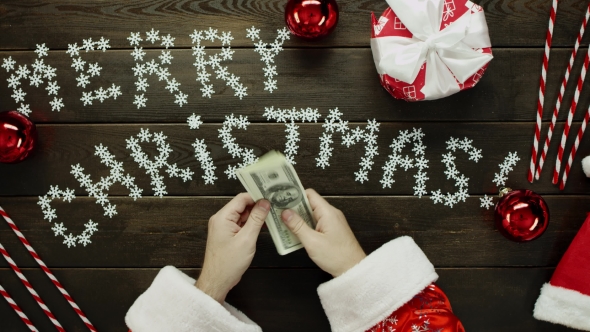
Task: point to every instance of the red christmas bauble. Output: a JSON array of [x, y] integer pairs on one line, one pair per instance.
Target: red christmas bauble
[[18, 136], [311, 19], [521, 215]]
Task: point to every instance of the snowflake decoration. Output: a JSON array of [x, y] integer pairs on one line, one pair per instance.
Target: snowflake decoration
[[268, 52], [202, 62], [153, 67], [194, 121], [395, 159], [67, 195], [486, 202], [100, 94], [40, 74], [289, 117], [506, 167], [8, 64], [452, 173], [233, 148], [334, 123], [153, 167]]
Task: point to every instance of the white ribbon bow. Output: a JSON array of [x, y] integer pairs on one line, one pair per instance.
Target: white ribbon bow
[[448, 53]]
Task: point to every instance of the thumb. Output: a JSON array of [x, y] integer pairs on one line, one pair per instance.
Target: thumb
[[256, 218], [298, 226]]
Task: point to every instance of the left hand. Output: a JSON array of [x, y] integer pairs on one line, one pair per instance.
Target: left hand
[[231, 244]]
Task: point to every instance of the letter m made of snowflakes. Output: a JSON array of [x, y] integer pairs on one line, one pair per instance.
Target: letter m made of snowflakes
[[334, 123]]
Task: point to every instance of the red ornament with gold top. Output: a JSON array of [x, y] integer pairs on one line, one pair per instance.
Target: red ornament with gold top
[[18, 136], [521, 215], [311, 19]]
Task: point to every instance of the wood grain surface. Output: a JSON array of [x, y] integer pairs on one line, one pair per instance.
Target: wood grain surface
[[492, 282]]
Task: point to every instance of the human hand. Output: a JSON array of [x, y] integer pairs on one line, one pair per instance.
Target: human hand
[[332, 245], [231, 244]]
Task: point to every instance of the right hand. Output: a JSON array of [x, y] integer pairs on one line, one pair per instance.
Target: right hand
[[332, 245]]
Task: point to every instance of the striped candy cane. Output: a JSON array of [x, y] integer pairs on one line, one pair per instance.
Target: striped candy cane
[[560, 96], [570, 117], [25, 282], [46, 270], [572, 155], [541, 100], [17, 309]]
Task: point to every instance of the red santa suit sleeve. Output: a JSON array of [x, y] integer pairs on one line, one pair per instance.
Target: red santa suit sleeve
[[389, 290]]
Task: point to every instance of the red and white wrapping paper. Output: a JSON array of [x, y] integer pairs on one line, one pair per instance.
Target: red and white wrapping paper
[[430, 49]]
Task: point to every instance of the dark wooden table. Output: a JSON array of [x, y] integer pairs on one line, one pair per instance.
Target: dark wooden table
[[492, 282]]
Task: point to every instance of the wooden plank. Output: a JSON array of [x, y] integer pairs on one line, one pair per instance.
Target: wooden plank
[[317, 78], [64, 145], [511, 22], [484, 299], [154, 232]]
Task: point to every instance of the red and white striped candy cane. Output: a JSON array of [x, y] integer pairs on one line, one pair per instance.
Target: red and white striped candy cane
[[17, 309], [560, 96], [541, 100], [572, 155], [46, 270], [570, 117], [29, 287]]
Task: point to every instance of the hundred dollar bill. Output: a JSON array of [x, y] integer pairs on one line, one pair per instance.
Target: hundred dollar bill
[[275, 179]]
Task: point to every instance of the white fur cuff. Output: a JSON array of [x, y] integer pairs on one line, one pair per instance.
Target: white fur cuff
[[380, 284], [563, 306], [173, 303]]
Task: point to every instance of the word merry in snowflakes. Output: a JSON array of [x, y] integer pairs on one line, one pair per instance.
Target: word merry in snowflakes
[[206, 65]]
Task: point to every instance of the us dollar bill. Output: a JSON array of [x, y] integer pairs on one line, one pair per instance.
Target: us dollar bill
[[275, 179]]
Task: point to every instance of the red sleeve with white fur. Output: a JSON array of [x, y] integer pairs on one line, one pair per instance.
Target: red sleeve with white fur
[[380, 284]]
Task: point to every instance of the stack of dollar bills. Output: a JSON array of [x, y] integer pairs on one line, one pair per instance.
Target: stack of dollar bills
[[274, 178]]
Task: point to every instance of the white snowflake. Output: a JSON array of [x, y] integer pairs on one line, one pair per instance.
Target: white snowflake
[[19, 95], [486, 202], [168, 41], [134, 39], [73, 50], [500, 179], [180, 99], [140, 101], [103, 44], [437, 197], [82, 80], [52, 88], [58, 229], [138, 54], [87, 98], [94, 69], [166, 57], [194, 121], [141, 84], [41, 50], [153, 35], [70, 240], [24, 109], [56, 104], [84, 239], [88, 44], [8, 64], [13, 81]]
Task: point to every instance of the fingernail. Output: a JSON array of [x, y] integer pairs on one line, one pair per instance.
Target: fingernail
[[264, 204], [287, 215]]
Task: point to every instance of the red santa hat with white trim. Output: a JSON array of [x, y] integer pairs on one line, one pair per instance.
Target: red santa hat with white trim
[[566, 298]]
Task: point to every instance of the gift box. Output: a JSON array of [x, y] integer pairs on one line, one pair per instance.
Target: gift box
[[430, 49]]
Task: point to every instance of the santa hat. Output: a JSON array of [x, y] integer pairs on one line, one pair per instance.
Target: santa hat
[[566, 298]]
